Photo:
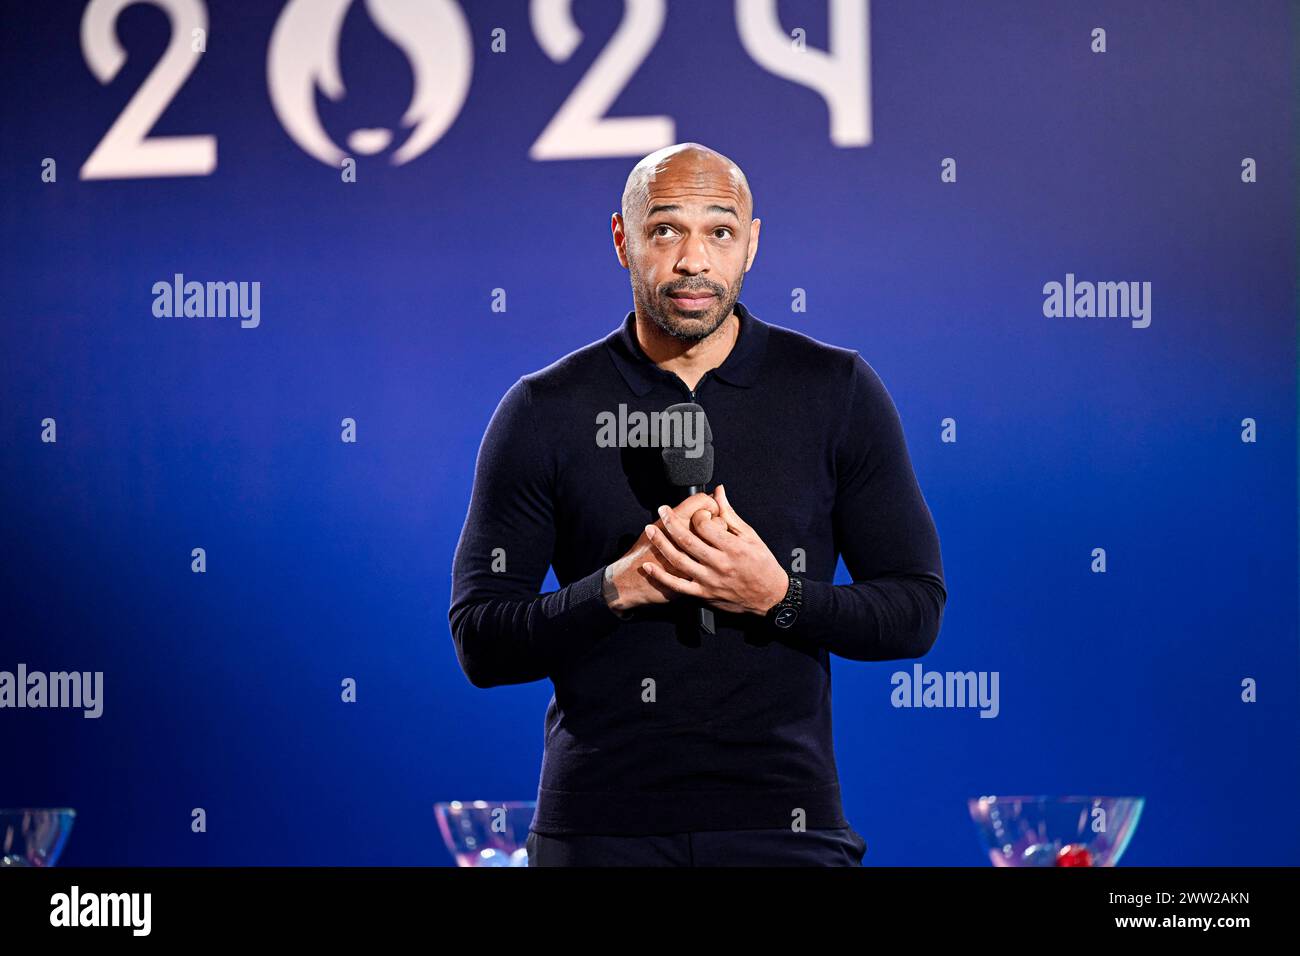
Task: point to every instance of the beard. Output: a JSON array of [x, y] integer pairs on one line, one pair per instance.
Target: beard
[[686, 326]]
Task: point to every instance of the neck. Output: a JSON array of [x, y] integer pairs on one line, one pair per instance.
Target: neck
[[687, 360]]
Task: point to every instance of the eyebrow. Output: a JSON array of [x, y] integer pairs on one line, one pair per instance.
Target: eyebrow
[[673, 207]]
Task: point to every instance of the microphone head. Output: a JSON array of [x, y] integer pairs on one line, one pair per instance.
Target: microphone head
[[687, 445]]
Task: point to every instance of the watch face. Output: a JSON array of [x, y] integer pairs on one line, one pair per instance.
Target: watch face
[[785, 617]]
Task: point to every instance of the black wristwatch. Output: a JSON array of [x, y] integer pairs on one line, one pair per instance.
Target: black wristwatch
[[784, 612]]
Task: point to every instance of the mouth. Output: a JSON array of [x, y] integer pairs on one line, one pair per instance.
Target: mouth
[[692, 301]]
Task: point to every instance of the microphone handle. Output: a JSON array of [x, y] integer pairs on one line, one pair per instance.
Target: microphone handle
[[705, 613]]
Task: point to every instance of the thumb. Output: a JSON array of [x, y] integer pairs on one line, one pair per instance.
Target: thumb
[[728, 512]]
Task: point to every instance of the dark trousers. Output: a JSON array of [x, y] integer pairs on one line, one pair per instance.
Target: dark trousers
[[776, 847]]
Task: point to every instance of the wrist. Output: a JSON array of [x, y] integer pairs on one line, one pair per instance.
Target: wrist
[[610, 592], [780, 588]]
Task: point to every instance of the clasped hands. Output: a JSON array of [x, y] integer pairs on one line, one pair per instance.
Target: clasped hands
[[703, 549]]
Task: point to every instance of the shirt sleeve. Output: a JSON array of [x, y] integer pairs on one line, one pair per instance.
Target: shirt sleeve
[[505, 632], [886, 534]]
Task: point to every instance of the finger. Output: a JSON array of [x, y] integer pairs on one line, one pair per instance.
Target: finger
[[729, 513], [672, 555], [695, 502], [679, 529], [712, 530], [659, 576]]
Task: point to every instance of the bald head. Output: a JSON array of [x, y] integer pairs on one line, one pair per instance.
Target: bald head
[[688, 166]]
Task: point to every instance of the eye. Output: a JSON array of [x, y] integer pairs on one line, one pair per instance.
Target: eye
[[723, 229], [655, 233]]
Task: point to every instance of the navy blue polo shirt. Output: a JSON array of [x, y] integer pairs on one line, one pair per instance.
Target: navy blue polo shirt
[[654, 726]]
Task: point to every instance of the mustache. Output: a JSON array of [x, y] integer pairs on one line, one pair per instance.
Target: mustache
[[711, 289]]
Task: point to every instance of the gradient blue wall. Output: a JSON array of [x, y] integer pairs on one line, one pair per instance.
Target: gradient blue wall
[[329, 560]]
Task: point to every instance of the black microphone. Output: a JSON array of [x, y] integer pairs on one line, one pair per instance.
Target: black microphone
[[690, 472]]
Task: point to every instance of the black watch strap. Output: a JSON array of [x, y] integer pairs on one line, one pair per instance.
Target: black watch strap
[[786, 610]]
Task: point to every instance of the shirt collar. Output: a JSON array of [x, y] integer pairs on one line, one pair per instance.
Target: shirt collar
[[740, 367]]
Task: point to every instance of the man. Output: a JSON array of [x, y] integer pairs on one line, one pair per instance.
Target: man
[[667, 744]]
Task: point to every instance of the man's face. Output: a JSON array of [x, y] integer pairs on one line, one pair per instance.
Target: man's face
[[689, 248]]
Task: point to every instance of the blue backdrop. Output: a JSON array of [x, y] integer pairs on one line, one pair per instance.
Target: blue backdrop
[[328, 560]]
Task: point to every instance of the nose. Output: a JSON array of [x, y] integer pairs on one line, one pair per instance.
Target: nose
[[693, 259]]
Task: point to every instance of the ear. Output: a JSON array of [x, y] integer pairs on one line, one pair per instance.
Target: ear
[[620, 238]]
